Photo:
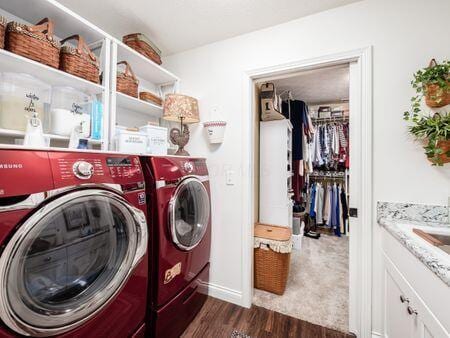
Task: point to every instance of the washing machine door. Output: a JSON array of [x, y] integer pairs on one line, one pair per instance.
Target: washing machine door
[[68, 260], [189, 212]]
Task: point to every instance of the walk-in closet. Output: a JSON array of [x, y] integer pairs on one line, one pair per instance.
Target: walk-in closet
[[303, 177]]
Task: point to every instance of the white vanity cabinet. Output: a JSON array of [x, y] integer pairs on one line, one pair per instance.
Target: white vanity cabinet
[[409, 312]]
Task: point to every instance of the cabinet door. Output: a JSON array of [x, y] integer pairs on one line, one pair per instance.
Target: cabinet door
[[406, 313], [399, 323]]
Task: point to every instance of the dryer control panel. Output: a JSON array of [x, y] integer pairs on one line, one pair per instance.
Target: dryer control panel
[[78, 168]]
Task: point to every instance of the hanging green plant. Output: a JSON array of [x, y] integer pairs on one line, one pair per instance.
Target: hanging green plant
[[434, 130]]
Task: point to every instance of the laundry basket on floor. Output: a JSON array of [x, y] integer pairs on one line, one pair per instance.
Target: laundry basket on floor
[[272, 251]]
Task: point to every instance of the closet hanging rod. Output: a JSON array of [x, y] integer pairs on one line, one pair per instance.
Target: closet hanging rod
[[287, 91]]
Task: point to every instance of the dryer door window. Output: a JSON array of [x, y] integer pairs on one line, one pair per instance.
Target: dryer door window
[[67, 261], [189, 213]]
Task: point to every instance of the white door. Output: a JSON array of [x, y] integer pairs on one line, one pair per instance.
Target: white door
[[68, 260], [354, 190]]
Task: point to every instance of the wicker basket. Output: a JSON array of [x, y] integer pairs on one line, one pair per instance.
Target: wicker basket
[[2, 31], [435, 97], [271, 267], [138, 42], [33, 42], [127, 82], [443, 158], [79, 61], [150, 97]]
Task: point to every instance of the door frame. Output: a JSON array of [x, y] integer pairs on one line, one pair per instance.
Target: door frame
[[360, 303]]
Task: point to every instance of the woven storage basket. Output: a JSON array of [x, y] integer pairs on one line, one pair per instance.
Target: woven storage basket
[[79, 61], [150, 97], [2, 31], [33, 42], [272, 267], [136, 41], [127, 82], [435, 96], [445, 146]]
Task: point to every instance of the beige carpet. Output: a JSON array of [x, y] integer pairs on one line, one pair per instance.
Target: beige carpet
[[317, 288]]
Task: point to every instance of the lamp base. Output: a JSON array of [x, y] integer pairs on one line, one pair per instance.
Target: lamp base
[[180, 138], [181, 152]]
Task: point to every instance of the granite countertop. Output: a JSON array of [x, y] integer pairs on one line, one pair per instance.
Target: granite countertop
[[399, 219]]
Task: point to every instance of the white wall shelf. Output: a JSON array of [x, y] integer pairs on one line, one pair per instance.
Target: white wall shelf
[[139, 106], [143, 67], [66, 22], [21, 134], [131, 111], [10, 62]]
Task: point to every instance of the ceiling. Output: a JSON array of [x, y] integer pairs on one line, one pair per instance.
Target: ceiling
[[324, 85], [179, 25]]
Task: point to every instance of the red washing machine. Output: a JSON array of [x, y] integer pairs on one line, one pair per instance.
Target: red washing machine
[[180, 235], [73, 236]]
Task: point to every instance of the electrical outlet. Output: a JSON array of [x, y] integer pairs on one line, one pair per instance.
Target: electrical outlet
[[230, 177]]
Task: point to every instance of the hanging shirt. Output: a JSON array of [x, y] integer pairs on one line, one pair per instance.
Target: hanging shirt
[[327, 205], [312, 212], [337, 226], [298, 111], [319, 203]]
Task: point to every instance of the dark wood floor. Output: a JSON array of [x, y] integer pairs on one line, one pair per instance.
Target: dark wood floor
[[218, 319]]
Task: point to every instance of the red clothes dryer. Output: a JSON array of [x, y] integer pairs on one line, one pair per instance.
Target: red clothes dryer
[[180, 235], [73, 236]]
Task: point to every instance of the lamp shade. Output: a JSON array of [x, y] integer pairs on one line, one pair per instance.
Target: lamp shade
[[177, 106]]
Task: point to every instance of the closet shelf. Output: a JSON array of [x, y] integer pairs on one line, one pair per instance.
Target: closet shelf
[[10, 62], [144, 68], [331, 119], [136, 105], [21, 134]]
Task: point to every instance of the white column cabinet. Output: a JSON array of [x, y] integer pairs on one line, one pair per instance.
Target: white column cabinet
[[275, 177]]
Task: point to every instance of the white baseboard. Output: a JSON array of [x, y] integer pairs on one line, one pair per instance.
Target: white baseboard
[[376, 334], [224, 293]]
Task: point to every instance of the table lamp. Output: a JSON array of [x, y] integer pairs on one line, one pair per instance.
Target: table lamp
[[183, 109]]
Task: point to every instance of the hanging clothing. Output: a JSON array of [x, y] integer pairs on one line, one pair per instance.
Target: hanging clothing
[[337, 225], [327, 205], [297, 115], [312, 205], [319, 203]]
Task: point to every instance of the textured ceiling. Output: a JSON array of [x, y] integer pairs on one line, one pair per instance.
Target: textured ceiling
[[179, 25], [324, 85]]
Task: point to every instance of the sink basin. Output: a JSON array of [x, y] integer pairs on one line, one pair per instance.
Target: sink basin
[[442, 241]]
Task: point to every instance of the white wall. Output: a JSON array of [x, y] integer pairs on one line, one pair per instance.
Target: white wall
[[404, 34]]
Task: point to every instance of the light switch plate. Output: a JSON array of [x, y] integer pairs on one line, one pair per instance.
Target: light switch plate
[[230, 177]]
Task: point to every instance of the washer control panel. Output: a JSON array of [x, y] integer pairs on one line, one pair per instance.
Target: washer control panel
[[83, 170], [78, 168]]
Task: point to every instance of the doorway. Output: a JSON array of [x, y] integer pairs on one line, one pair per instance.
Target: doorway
[[359, 247], [309, 195]]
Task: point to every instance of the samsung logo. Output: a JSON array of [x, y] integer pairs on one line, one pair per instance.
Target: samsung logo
[[11, 165]]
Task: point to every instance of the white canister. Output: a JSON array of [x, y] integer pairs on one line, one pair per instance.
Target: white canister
[[129, 141], [70, 108], [21, 96], [215, 130], [157, 139]]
